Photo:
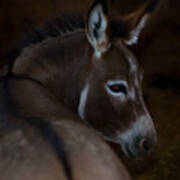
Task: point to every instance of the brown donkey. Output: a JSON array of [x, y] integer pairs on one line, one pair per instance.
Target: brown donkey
[[90, 72]]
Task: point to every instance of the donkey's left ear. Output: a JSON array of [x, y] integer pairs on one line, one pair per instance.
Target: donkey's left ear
[[137, 20], [96, 27]]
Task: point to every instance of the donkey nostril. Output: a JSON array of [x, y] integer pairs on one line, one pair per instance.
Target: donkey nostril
[[145, 145]]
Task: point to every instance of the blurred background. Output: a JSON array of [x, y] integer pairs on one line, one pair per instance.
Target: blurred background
[[158, 52]]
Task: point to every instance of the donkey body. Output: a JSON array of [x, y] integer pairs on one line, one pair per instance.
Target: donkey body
[[31, 148], [87, 75]]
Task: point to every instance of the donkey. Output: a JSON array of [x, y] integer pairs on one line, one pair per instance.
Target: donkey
[[91, 72]]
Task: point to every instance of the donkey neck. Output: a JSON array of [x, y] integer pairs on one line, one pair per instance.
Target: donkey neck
[[60, 64]]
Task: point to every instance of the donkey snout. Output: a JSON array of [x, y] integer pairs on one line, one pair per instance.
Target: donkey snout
[[140, 147], [140, 140], [144, 146]]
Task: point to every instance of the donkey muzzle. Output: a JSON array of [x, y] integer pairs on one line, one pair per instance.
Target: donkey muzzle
[[140, 139], [139, 147]]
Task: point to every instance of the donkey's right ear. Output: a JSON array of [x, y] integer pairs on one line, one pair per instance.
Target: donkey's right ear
[[96, 27], [137, 20]]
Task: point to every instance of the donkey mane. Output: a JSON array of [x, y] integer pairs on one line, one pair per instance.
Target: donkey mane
[[60, 26], [57, 27]]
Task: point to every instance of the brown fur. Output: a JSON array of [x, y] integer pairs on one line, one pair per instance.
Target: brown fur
[[52, 74], [25, 154], [42, 92]]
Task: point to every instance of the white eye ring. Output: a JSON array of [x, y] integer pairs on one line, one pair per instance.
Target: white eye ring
[[117, 87]]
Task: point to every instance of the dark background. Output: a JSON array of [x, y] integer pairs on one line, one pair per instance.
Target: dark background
[[158, 51]]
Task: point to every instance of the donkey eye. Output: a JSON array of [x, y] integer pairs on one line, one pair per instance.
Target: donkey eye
[[118, 88]]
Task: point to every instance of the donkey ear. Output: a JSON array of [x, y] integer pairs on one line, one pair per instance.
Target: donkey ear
[[96, 27], [137, 20]]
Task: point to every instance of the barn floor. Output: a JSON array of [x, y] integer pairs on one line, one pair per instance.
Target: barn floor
[[164, 164]]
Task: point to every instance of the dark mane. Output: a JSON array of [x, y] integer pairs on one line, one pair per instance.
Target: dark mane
[[57, 27]]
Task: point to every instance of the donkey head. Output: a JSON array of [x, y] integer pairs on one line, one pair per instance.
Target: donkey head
[[111, 101]]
